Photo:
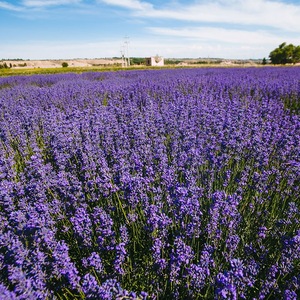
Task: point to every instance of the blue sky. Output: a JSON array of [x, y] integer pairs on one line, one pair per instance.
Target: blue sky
[[66, 29]]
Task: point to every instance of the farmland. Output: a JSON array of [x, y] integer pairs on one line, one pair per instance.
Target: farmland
[[151, 184]]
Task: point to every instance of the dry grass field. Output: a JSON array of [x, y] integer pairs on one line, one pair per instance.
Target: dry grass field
[[18, 64]]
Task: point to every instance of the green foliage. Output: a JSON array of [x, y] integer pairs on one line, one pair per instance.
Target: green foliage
[[64, 64], [297, 53], [4, 66], [137, 60], [285, 54], [22, 65], [264, 61], [172, 61]]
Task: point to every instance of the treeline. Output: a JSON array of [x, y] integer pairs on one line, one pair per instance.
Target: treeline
[[9, 66], [285, 54], [5, 66]]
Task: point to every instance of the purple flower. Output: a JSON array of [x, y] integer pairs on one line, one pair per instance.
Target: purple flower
[[90, 286], [63, 266], [180, 258], [7, 294], [94, 261], [290, 295], [262, 232], [181, 181], [120, 258], [82, 226], [104, 229], [157, 249]]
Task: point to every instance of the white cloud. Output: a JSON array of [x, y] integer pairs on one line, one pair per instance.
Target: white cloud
[[9, 6], [138, 47], [27, 4], [216, 28], [43, 3], [220, 35], [269, 13], [43, 49], [130, 4]]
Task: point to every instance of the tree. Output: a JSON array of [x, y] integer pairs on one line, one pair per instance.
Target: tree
[[285, 54], [288, 53], [64, 64], [137, 61], [296, 55], [4, 66]]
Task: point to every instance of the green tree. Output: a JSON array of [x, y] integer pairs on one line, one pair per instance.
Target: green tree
[[296, 55], [277, 55], [288, 52], [285, 54], [138, 60], [64, 64]]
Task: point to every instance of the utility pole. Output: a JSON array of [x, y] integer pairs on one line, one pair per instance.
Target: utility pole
[[127, 53], [123, 56]]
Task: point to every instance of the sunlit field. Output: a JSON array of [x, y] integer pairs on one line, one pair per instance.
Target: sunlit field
[[151, 184]]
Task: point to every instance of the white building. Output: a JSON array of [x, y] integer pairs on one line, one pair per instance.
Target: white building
[[156, 61]]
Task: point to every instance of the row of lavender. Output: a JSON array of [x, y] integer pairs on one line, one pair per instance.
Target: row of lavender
[[169, 184]]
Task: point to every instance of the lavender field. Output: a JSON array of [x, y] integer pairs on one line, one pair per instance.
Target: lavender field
[[154, 184]]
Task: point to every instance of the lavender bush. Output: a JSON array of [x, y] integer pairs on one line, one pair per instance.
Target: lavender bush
[[169, 184]]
